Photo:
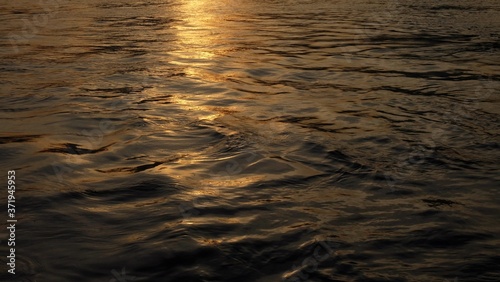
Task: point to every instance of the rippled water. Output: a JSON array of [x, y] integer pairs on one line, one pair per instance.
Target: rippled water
[[193, 140]]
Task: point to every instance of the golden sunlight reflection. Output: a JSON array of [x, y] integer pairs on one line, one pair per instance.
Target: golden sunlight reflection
[[202, 112], [198, 37]]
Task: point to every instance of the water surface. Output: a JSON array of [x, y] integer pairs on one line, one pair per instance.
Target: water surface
[[191, 140]]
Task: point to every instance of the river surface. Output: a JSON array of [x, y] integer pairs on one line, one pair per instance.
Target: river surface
[[231, 140]]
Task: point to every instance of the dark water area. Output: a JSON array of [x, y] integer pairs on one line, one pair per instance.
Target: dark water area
[[194, 140]]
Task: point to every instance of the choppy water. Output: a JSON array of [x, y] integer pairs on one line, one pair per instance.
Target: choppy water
[[192, 140]]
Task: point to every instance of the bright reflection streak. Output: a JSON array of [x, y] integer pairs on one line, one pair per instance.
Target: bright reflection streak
[[202, 36], [199, 35], [196, 34]]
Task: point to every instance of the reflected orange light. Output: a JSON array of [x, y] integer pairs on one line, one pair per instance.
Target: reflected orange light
[[196, 33], [199, 38]]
